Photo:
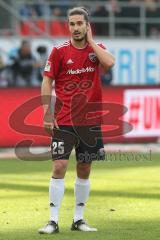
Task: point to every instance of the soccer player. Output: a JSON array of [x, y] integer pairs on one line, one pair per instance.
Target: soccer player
[[74, 68]]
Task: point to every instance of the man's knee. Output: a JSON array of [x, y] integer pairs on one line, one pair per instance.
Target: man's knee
[[60, 167], [83, 170]]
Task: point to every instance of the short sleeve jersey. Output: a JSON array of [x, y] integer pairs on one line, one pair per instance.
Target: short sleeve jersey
[[77, 84]]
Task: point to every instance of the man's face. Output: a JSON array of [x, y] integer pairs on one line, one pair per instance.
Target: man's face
[[77, 27], [26, 49]]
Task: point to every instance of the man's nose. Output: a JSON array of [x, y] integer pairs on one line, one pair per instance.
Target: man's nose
[[76, 27]]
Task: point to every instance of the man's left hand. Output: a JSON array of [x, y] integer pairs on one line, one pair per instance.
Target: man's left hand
[[89, 34]]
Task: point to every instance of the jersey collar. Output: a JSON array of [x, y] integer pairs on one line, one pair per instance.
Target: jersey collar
[[77, 47]]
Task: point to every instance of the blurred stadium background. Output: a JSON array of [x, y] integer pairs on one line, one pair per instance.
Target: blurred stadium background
[[130, 30], [125, 188]]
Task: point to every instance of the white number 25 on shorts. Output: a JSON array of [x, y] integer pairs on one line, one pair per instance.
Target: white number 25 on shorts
[[58, 148]]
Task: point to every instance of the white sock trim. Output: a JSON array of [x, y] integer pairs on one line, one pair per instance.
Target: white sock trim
[[57, 180], [82, 181]]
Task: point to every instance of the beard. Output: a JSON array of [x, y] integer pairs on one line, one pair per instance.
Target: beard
[[80, 39]]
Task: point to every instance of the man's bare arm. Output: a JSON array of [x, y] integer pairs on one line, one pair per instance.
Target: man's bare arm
[[46, 95]]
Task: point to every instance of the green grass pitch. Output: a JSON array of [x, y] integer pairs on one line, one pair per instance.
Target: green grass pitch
[[124, 203]]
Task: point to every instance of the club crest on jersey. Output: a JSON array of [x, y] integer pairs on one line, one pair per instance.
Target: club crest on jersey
[[92, 57], [48, 66]]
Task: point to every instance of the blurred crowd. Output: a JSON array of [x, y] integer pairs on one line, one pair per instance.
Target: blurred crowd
[[129, 11], [105, 9], [24, 68]]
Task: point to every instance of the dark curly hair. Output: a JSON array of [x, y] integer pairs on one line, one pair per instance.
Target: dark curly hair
[[79, 11]]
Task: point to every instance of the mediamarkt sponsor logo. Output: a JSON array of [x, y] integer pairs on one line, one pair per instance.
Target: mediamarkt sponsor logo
[[82, 70]]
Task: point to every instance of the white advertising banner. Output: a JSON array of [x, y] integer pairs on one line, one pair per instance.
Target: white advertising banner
[[143, 112], [137, 60]]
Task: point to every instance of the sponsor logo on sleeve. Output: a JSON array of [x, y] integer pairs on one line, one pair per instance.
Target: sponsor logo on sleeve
[[48, 66]]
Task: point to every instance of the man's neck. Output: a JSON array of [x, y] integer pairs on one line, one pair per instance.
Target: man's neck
[[79, 44]]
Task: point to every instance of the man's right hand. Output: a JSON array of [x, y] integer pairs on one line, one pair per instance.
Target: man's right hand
[[49, 125]]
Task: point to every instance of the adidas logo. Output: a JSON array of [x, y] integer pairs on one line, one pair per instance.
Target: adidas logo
[[52, 205], [69, 61]]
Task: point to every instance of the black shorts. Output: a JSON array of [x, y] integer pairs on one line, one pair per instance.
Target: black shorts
[[87, 141]]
